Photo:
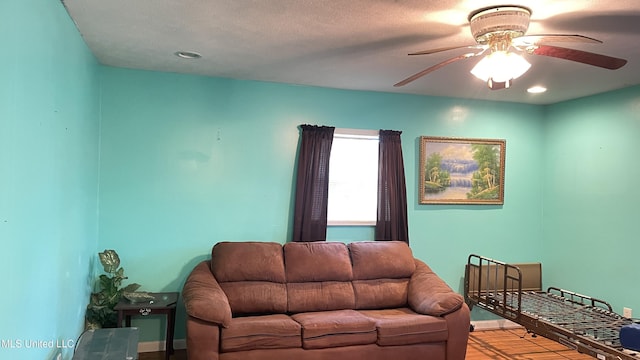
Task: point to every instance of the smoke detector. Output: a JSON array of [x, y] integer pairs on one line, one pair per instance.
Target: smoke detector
[[502, 21]]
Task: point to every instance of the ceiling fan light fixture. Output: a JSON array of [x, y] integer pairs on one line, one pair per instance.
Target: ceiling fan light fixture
[[500, 66], [498, 29], [496, 85]]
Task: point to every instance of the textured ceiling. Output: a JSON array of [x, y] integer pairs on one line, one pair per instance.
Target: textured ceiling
[[355, 44]]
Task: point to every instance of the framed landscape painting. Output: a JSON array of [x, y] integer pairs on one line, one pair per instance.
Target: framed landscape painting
[[461, 171]]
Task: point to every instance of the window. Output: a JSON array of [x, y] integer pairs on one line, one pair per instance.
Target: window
[[353, 178]]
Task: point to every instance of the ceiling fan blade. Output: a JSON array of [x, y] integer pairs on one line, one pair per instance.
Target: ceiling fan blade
[[433, 68], [580, 56], [433, 51], [553, 38]]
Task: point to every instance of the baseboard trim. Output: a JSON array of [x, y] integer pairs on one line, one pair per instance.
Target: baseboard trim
[[500, 324], [482, 325], [153, 346]]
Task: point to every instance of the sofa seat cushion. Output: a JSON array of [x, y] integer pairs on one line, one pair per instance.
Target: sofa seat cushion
[[276, 331], [326, 329], [402, 326]]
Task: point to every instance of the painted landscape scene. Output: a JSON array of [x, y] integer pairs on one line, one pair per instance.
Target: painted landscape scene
[[462, 171]]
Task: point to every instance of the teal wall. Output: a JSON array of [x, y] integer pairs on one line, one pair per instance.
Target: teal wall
[[49, 117], [591, 193], [188, 161]]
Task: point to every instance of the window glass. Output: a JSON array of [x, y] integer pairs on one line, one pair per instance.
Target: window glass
[[353, 178]]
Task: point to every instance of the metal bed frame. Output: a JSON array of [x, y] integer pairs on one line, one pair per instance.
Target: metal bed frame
[[580, 322]]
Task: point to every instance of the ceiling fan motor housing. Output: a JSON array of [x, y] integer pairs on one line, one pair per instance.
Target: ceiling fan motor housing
[[507, 20]]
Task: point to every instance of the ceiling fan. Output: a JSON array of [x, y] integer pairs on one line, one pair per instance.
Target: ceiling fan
[[499, 29]]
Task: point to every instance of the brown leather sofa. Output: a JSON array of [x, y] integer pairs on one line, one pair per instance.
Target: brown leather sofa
[[321, 300]]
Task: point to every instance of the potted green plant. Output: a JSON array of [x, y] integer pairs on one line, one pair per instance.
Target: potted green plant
[[100, 313]]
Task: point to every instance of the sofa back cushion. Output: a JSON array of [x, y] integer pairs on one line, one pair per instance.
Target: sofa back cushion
[[267, 277], [381, 259], [319, 276], [252, 276], [381, 273]]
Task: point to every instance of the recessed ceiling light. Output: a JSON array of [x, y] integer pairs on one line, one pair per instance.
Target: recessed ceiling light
[[188, 55], [536, 89]]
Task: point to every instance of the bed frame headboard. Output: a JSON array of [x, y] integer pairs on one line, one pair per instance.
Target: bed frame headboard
[[531, 275], [489, 282]]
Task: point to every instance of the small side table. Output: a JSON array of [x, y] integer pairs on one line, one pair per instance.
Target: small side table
[[164, 304]]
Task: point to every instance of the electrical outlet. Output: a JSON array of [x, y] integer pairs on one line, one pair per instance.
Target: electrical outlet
[[626, 312]]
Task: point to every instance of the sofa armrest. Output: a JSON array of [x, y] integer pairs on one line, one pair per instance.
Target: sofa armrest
[[204, 298], [458, 324], [429, 294]]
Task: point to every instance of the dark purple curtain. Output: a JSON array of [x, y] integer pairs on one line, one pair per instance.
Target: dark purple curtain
[[312, 183], [391, 223]]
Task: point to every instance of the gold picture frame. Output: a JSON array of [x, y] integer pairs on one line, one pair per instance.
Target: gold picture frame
[[461, 171]]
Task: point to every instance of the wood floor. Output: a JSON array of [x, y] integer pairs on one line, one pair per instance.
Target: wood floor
[[516, 344], [495, 345]]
